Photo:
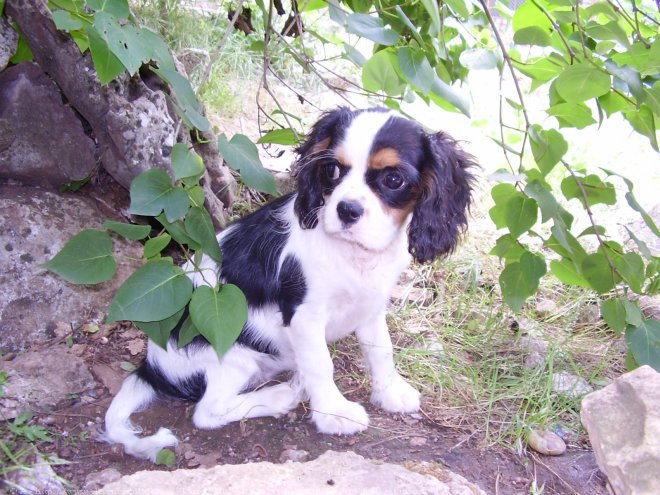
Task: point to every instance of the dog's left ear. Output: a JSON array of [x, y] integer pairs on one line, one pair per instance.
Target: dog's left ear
[[440, 215]]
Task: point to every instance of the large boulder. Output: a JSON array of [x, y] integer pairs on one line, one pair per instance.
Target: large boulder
[[42, 139], [34, 225], [623, 421], [339, 473]]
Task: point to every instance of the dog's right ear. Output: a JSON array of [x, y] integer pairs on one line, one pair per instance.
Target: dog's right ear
[[323, 137]]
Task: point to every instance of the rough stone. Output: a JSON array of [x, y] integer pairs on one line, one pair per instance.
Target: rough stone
[[535, 351], [43, 141], [97, 480], [34, 225], [333, 472], [41, 379], [546, 307], [546, 442], [570, 385], [38, 478], [623, 422], [8, 42]]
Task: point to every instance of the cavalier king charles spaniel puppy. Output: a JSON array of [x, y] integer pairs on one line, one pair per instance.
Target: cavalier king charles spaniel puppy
[[373, 190]]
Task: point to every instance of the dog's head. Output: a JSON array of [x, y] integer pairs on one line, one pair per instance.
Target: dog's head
[[366, 175]]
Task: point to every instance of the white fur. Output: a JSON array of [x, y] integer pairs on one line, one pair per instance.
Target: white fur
[[349, 275]]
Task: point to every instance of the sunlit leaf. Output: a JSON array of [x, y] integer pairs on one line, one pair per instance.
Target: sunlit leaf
[[372, 28], [581, 82], [241, 154], [520, 280], [185, 162], [379, 74]]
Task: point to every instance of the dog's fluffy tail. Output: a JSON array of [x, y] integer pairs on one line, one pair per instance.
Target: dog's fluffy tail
[[135, 394]]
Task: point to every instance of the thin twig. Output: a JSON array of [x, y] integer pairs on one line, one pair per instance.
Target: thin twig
[[216, 53]]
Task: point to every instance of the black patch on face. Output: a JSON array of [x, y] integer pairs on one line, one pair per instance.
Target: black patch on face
[[398, 185], [292, 288], [191, 388]]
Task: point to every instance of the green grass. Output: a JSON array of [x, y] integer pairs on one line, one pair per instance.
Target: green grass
[[463, 352]]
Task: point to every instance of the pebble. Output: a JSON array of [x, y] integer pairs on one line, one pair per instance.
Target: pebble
[[569, 385], [545, 442], [417, 441], [97, 480], [294, 455], [546, 307]]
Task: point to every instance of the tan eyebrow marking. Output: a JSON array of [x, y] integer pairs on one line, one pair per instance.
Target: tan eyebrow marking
[[340, 155], [383, 158], [321, 145]]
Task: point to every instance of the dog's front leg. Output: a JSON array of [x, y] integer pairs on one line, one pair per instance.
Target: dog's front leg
[[331, 411], [389, 391]]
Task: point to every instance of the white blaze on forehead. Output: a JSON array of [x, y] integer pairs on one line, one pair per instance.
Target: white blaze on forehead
[[360, 136]]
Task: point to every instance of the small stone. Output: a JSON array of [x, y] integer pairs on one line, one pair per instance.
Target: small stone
[[535, 350], [294, 455], [97, 480], [135, 346], [546, 307], [569, 385], [417, 441], [545, 442]]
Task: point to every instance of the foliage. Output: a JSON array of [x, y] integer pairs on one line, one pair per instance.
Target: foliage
[[595, 61]]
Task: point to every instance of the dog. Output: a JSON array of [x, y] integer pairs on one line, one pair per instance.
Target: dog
[[373, 190]]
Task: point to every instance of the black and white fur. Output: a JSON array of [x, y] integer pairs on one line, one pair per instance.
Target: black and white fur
[[317, 265]]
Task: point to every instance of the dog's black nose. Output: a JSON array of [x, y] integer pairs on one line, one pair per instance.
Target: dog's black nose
[[349, 212]]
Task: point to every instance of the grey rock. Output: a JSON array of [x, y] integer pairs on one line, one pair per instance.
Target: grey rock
[[94, 481], [535, 351], [546, 442], [41, 379], [571, 386], [34, 225], [546, 307], [38, 478], [8, 42], [294, 455], [341, 473], [43, 141], [623, 422]]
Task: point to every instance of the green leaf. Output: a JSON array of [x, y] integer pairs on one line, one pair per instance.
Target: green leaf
[[200, 228], [64, 21], [416, 69], [644, 343], [154, 246], [186, 163], [520, 280], [508, 248], [118, 8], [459, 7], [154, 292], [107, 65], [178, 232], [432, 9], [594, 188], [609, 31], [631, 268], [542, 70], [187, 333], [441, 92], [643, 122], [576, 115], [85, 259], [219, 316], [613, 312], [596, 270], [548, 204], [127, 230], [479, 59], [159, 331], [153, 192], [379, 74], [581, 82], [165, 457], [241, 154], [372, 28], [548, 147], [520, 214], [158, 50], [501, 193], [124, 41], [188, 106], [566, 272], [532, 35], [196, 195], [284, 137], [127, 366]]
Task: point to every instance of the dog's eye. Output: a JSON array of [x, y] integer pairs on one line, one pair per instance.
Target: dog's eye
[[394, 180], [332, 171]]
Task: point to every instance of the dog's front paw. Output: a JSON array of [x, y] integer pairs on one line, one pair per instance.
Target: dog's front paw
[[346, 418], [397, 397]]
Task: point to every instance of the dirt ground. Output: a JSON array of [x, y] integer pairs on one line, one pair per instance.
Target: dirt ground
[[393, 438]]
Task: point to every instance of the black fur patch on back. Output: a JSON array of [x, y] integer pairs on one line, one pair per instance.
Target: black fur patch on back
[[292, 288], [191, 388]]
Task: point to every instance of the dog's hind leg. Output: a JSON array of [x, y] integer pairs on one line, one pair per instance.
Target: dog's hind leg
[[223, 401], [135, 394]]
